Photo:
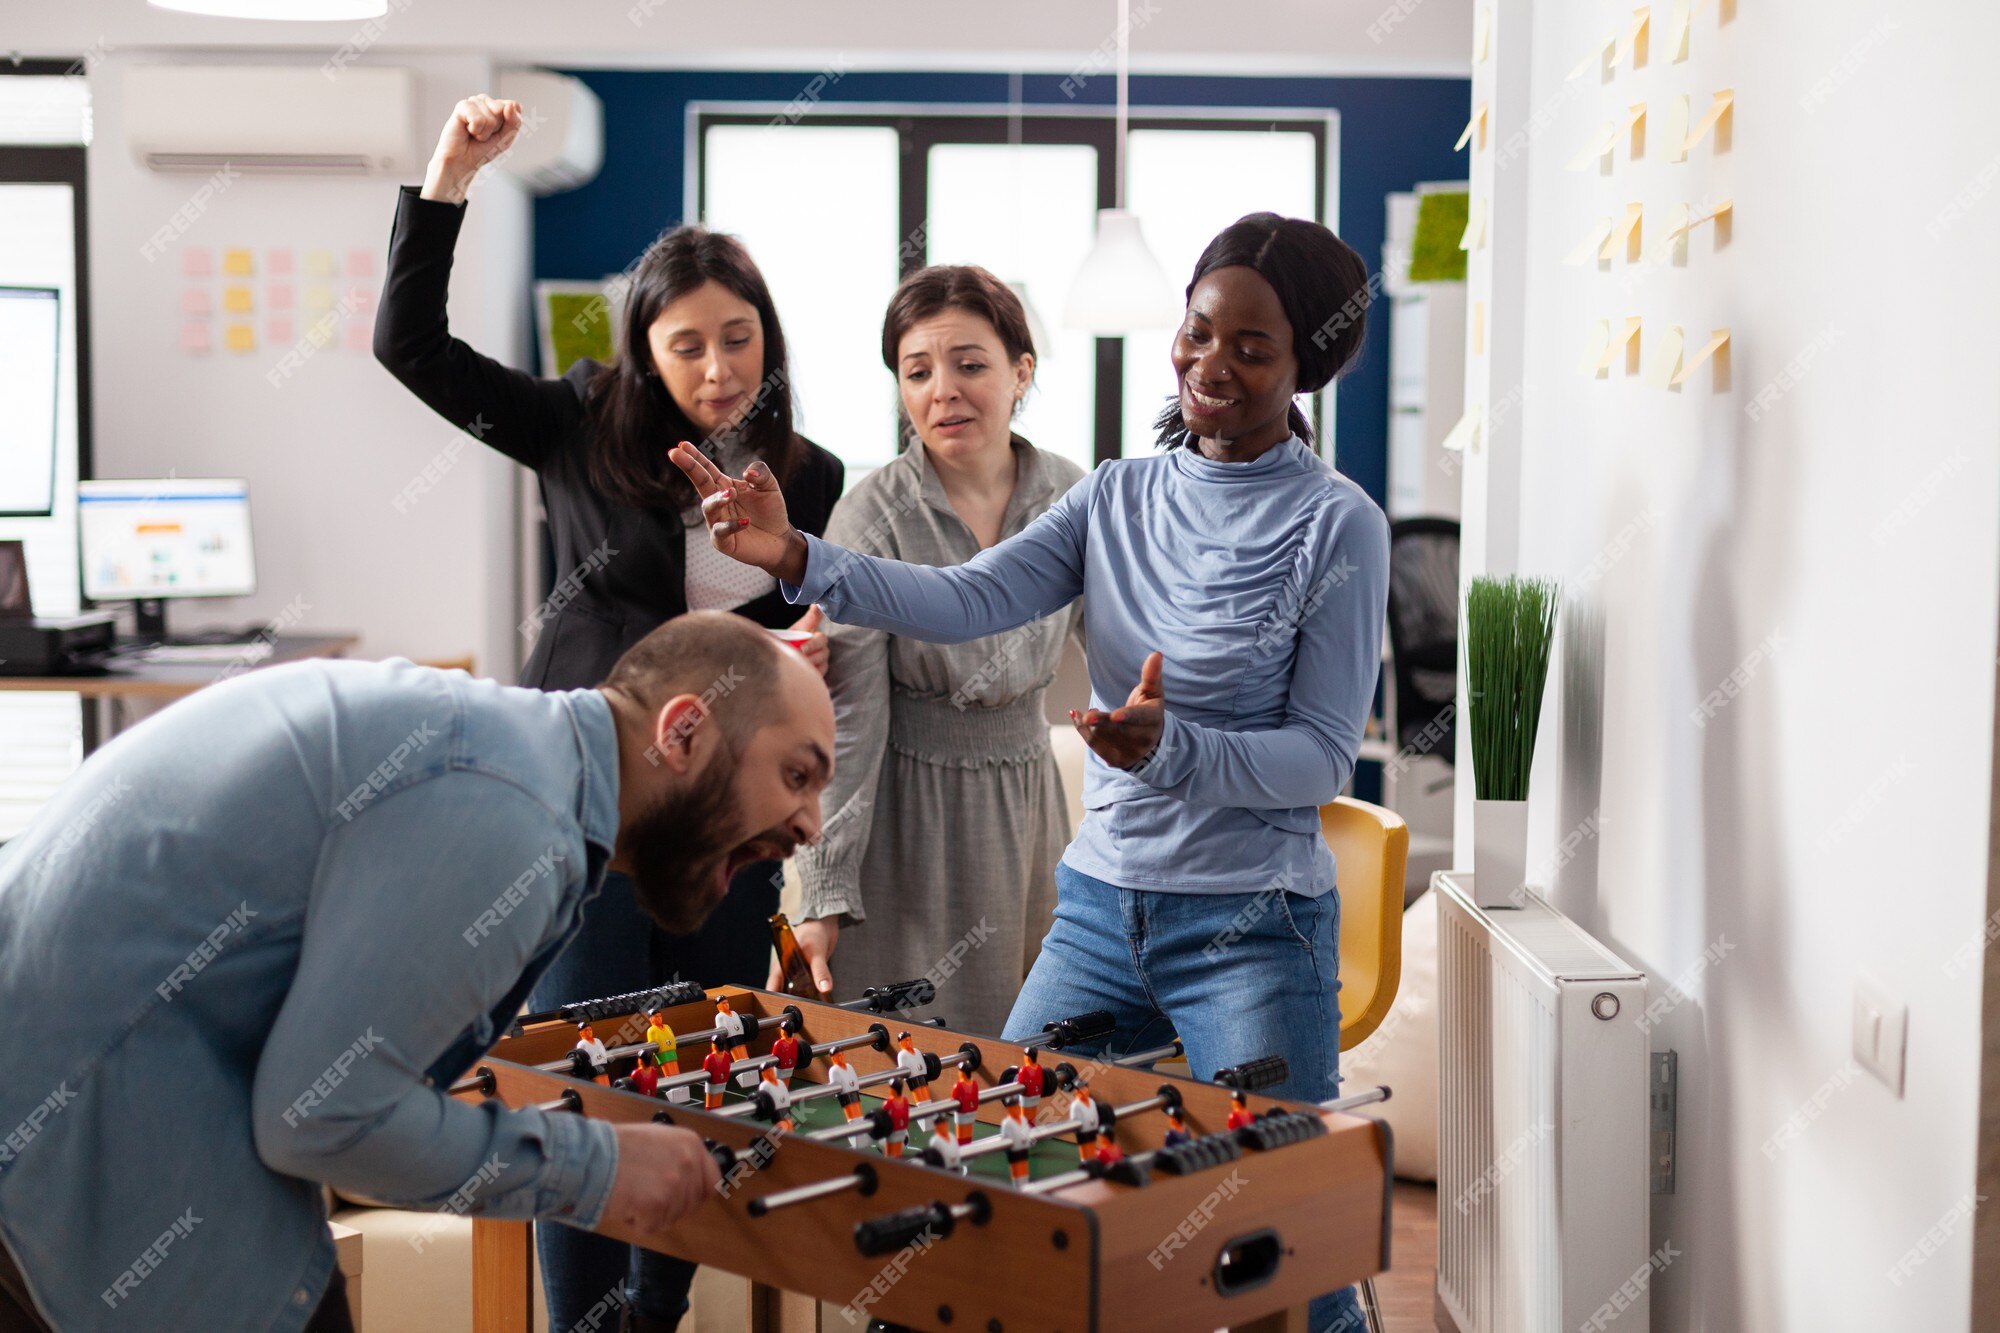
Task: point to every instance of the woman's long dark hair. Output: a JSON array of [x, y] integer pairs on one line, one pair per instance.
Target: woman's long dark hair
[[1322, 284], [637, 420]]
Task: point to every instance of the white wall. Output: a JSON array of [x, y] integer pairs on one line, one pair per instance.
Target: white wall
[[1830, 819], [328, 448]]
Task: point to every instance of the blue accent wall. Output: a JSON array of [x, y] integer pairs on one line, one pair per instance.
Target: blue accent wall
[[1393, 133]]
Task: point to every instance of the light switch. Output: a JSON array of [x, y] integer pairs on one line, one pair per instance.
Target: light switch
[[1881, 1033]]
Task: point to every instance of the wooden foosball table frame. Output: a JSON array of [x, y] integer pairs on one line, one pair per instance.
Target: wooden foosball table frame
[[1241, 1244]]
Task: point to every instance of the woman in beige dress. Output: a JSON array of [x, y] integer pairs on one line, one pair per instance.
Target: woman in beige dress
[[946, 816]]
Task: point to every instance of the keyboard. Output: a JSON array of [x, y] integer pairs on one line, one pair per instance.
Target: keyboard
[[191, 654]]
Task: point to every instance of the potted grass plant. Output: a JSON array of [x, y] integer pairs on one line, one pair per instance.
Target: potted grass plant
[[1509, 630]]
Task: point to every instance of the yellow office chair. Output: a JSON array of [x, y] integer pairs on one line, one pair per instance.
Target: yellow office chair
[[1371, 846]]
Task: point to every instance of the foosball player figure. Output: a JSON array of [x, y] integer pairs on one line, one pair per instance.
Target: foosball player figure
[[847, 1083], [1108, 1153], [945, 1144], [1088, 1117], [911, 1061], [1034, 1079], [781, 1098], [593, 1050], [897, 1107], [666, 1052], [1019, 1133], [716, 1064], [965, 1094], [1239, 1113], [786, 1049], [1177, 1130], [730, 1033], [646, 1074]]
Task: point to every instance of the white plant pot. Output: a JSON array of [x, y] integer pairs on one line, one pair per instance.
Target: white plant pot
[[1499, 852]]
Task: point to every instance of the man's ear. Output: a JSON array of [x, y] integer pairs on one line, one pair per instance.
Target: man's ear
[[678, 731]]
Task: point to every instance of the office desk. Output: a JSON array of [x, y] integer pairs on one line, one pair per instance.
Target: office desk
[[163, 682]]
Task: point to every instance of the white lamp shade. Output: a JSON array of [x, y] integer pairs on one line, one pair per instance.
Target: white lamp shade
[[279, 9], [1121, 287]]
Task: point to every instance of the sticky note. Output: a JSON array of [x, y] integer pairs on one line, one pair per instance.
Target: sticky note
[[1677, 32], [1633, 43], [195, 261], [1588, 247], [280, 296], [278, 329], [1482, 34], [360, 263], [238, 262], [319, 263], [1476, 124], [1674, 127], [1595, 60], [1666, 359], [1715, 343], [1669, 239], [1599, 145], [194, 301], [1479, 328], [278, 262], [240, 338], [1598, 354], [194, 336], [319, 297], [1475, 225], [1625, 235], [1627, 341], [1635, 126], [236, 299], [360, 338], [1718, 107], [1715, 214], [1464, 434]]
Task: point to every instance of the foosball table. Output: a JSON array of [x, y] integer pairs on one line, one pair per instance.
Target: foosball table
[[931, 1179]]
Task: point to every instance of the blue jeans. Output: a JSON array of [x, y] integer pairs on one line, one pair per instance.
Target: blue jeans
[[619, 949], [1235, 976]]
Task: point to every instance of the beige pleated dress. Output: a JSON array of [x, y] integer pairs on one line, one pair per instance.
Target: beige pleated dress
[[946, 816]]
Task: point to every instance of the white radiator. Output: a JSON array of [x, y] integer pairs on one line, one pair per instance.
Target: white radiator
[[1543, 1199]]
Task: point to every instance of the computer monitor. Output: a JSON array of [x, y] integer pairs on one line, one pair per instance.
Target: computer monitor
[[145, 541], [30, 340]]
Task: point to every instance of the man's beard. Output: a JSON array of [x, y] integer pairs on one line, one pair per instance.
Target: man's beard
[[676, 846]]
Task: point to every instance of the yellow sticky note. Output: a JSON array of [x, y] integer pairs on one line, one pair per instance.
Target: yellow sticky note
[[1666, 359], [1633, 43], [1477, 123], [1718, 107], [1714, 344], [1598, 354], [1482, 34], [236, 300], [1595, 60], [1594, 151], [1713, 214], [319, 263], [1677, 32], [240, 338], [237, 263], [1627, 341], [1475, 226], [1464, 435], [1669, 239], [1479, 328], [1674, 127], [1625, 236], [1586, 249], [319, 297]]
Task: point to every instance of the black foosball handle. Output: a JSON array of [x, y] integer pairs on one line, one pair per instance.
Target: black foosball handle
[[1083, 1027], [1264, 1072], [895, 997], [591, 1011], [887, 1234]]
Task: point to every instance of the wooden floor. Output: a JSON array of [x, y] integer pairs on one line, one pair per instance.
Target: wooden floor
[[1407, 1290]]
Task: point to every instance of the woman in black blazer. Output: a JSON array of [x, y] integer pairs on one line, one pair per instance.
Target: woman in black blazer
[[700, 356]]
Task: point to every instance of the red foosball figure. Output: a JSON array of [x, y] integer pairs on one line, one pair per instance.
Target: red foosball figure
[[1177, 1130], [1088, 1117], [587, 1042], [786, 1049], [1020, 1137], [716, 1064], [1108, 1151], [965, 1093], [732, 1034], [1034, 1079], [898, 1108], [646, 1075], [1239, 1114], [911, 1061], [842, 1076], [781, 1098]]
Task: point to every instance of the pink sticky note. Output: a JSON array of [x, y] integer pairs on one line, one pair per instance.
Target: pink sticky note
[[278, 329], [360, 263], [360, 338], [278, 296], [194, 336], [194, 301], [278, 263], [196, 261]]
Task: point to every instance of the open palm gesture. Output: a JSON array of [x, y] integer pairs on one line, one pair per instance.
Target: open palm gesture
[[1127, 736]]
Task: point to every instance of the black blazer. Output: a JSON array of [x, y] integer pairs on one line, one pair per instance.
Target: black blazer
[[620, 571]]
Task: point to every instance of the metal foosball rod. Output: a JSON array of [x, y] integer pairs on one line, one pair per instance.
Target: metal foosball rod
[[877, 1036], [706, 1034], [895, 997], [967, 1055], [1363, 1098], [886, 1235], [862, 1180]]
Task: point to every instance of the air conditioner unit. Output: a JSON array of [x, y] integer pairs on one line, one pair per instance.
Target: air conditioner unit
[[282, 118], [561, 144]]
